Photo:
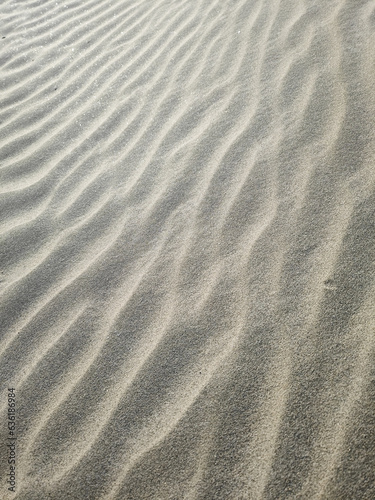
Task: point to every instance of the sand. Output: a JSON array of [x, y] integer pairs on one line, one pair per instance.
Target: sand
[[187, 249]]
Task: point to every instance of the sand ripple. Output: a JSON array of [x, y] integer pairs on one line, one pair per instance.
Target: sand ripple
[[187, 248]]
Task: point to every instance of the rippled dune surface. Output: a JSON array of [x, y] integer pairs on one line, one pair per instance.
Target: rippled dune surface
[[187, 248]]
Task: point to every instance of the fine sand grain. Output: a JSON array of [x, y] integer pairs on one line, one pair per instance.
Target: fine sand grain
[[187, 249]]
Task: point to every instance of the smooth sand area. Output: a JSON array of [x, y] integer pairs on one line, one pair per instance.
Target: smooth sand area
[[187, 249]]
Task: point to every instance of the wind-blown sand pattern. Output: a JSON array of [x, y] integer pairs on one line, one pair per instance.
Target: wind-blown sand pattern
[[187, 248]]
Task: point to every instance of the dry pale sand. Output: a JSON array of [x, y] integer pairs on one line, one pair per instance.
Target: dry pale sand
[[187, 249]]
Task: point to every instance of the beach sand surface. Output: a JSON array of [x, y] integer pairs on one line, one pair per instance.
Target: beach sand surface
[[187, 249]]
